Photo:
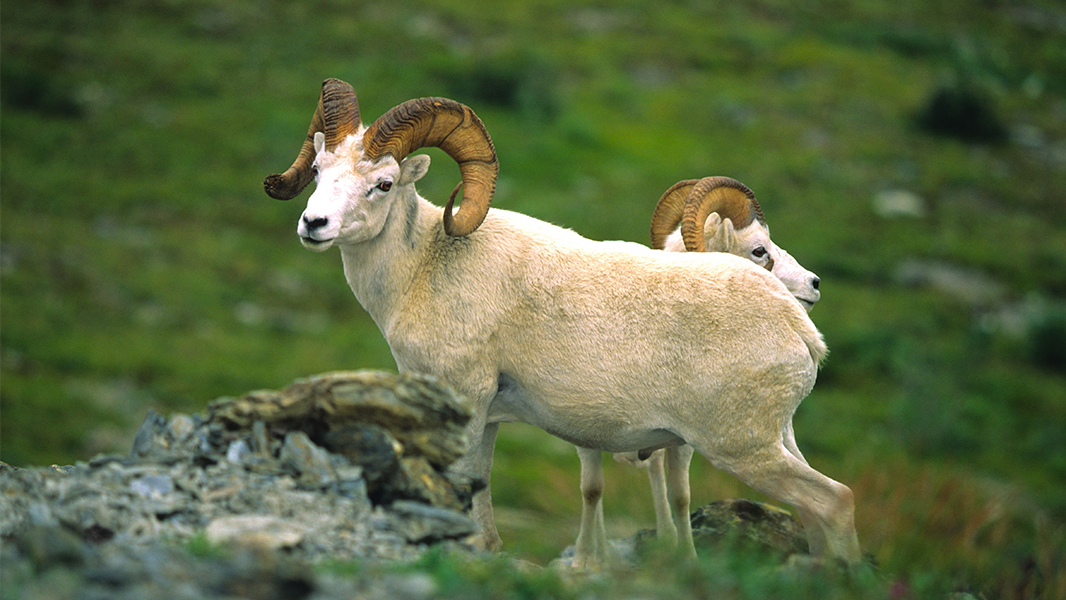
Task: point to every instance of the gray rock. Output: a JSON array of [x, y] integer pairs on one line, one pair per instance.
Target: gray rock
[[238, 452], [310, 463], [421, 523], [370, 446], [265, 532], [151, 438], [179, 427], [153, 485]]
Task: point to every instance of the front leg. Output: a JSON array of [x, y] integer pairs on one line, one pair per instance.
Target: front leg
[[591, 550], [480, 387], [678, 459], [478, 462]]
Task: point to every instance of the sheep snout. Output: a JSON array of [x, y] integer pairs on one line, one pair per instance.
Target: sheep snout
[[313, 232], [313, 224]]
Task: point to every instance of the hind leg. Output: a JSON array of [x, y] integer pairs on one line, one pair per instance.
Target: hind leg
[[665, 530], [826, 507], [815, 536]]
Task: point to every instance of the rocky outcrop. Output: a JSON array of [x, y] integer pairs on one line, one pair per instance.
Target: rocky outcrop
[[401, 431], [341, 466]]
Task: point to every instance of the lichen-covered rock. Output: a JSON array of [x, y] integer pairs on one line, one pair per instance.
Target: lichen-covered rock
[[402, 431], [741, 522], [424, 416], [762, 525]]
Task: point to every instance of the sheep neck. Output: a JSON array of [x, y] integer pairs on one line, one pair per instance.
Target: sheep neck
[[380, 270]]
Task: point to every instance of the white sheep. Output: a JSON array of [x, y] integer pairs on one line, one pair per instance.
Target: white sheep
[[614, 347], [719, 202]]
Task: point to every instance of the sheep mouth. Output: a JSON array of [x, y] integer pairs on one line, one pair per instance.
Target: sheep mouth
[[316, 245], [806, 303]]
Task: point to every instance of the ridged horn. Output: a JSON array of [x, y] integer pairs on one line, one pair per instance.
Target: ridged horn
[[337, 116], [455, 129], [668, 212], [726, 196]]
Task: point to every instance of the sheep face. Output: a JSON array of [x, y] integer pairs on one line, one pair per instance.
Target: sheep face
[[800, 282], [353, 196], [753, 243]]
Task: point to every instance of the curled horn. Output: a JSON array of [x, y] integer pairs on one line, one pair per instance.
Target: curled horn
[[455, 129], [723, 195], [337, 116], [668, 212]]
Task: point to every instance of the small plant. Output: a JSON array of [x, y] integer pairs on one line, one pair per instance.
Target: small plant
[[201, 547]]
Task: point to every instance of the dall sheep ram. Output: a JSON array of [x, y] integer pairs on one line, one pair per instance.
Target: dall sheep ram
[[614, 347], [717, 203]]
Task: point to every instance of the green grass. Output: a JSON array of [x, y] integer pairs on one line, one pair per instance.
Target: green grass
[[733, 574], [141, 265]]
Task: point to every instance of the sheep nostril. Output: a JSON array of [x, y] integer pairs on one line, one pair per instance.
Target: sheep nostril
[[815, 282], [316, 223]]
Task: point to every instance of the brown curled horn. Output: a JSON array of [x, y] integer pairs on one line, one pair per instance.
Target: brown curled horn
[[337, 116], [668, 212], [455, 129], [723, 195]]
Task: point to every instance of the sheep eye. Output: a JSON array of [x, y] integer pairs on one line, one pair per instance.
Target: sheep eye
[[385, 185], [759, 252]]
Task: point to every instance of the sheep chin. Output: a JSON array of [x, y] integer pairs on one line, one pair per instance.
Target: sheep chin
[[317, 245]]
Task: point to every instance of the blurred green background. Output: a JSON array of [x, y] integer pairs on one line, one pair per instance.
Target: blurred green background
[[911, 153]]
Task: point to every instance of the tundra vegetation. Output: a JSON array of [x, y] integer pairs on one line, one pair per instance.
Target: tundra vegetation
[[141, 267]]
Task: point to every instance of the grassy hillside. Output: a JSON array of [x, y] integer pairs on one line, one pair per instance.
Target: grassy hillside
[[912, 153]]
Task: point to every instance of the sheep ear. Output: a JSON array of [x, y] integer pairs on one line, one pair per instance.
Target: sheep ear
[[413, 168], [320, 141], [722, 237], [729, 235], [710, 231]]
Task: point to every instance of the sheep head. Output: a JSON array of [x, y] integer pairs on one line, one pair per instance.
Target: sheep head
[[690, 202], [720, 214], [345, 158]]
